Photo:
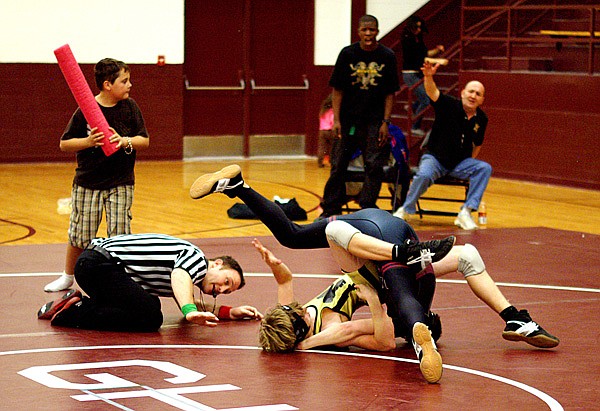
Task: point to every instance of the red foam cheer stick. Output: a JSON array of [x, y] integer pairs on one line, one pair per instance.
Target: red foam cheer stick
[[83, 95]]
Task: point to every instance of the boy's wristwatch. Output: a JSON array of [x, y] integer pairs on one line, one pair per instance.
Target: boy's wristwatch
[[387, 121]]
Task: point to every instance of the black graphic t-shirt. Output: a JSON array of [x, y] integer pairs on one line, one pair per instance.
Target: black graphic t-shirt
[[365, 78]]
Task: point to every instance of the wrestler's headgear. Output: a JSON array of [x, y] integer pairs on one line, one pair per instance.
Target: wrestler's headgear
[[300, 326]]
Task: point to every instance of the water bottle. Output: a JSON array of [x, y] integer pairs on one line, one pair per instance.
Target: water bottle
[[482, 214]]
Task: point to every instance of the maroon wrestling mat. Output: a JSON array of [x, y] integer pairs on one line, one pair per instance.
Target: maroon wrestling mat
[[551, 273]]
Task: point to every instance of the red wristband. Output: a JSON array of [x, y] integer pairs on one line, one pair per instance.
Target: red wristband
[[224, 312]]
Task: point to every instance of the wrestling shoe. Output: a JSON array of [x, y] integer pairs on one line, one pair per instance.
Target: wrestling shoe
[[224, 180], [429, 358], [523, 328], [435, 325], [425, 252], [50, 309]]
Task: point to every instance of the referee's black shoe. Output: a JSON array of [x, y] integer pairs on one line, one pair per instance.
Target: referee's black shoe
[[223, 181]]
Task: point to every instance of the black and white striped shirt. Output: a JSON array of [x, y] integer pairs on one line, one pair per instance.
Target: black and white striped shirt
[[149, 259]]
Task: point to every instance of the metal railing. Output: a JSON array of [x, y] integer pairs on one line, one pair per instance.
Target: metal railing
[[242, 86], [506, 26], [479, 25], [306, 86]]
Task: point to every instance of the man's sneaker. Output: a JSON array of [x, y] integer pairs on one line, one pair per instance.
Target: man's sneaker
[[465, 221], [400, 213], [429, 358], [425, 252], [523, 328], [50, 309], [222, 181]]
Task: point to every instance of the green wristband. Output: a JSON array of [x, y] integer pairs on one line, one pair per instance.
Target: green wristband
[[188, 308]]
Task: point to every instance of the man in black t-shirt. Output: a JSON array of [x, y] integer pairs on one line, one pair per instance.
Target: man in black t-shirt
[[364, 80]]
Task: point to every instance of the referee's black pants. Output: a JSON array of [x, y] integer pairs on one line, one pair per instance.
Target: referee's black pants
[[115, 302]]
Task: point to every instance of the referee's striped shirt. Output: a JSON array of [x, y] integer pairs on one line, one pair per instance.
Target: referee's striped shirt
[[149, 259]]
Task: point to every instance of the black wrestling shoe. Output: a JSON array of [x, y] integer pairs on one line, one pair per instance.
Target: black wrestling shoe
[[425, 252], [50, 309], [430, 360], [222, 181], [523, 328], [435, 325]]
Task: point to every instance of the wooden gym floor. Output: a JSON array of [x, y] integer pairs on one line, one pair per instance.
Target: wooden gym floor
[[540, 245]]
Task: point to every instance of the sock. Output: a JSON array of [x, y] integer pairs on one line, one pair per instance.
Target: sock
[[233, 186], [427, 270], [509, 313], [63, 282]]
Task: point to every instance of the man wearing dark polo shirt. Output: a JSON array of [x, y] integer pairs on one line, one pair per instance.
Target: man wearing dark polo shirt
[[454, 143]]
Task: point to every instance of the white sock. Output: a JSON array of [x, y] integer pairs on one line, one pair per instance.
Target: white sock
[[63, 282]]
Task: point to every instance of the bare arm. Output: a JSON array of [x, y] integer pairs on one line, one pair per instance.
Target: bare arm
[[283, 275], [94, 139], [183, 289], [357, 333], [137, 142], [384, 132], [437, 50], [389, 104], [476, 150], [336, 104], [431, 89], [376, 333], [341, 334], [140, 142], [242, 312], [383, 328]]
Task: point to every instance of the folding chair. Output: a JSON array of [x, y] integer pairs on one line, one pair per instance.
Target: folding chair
[[445, 181]]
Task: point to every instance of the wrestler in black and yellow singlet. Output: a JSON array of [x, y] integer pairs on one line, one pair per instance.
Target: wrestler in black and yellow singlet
[[341, 296]]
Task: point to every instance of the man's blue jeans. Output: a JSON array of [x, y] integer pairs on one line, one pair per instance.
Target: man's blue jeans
[[476, 171]]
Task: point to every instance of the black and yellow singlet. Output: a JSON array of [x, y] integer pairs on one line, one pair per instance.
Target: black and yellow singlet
[[341, 297]]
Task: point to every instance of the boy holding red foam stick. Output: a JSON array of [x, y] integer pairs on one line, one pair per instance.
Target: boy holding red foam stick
[[102, 183]]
